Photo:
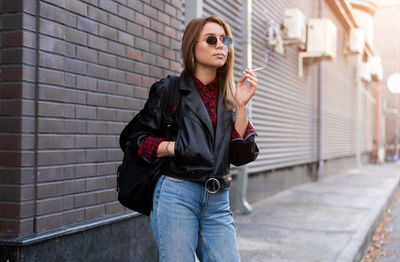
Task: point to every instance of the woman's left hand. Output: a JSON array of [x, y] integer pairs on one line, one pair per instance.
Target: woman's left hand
[[244, 93]]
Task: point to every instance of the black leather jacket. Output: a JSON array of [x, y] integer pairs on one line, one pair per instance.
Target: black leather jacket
[[199, 152]]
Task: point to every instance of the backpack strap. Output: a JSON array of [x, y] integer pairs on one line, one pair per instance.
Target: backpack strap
[[171, 104]]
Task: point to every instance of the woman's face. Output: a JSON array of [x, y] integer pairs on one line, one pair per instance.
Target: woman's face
[[210, 55]]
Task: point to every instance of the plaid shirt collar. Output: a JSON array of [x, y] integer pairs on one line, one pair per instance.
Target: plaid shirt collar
[[212, 86]]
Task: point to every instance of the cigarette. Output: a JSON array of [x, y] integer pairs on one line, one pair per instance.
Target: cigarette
[[257, 69]]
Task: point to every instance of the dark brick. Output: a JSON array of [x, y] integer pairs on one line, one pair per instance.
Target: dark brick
[[51, 93], [75, 96], [9, 6], [96, 155], [87, 25], [106, 114], [171, 10], [116, 22], [124, 90], [134, 29], [74, 186], [9, 141], [142, 44], [109, 6], [97, 127], [48, 174], [116, 102], [150, 58], [11, 107], [55, 141], [106, 195], [133, 79], [76, 36], [73, 216], [97, 71], [149, 34], [11, 39], [123, 115], [56, 110], [126, 13], [84, 199], [94, 212], [10, 90], [125, 38], [95, 183], [108, 32], [85, 112], [134, 54], [10, 158], [107, 60], [162, 62], [86, 170], [86, 54], [10, 73], [135, 4], [114, 155], [142, 20], [12, 21], [125, 64], [116, 75], [107, 141], [85, 141], [48, 206], [106, 87], [114, 208], [68, 203], [163, 17], [52, 29], [74, 157], [97, 43], [142, 69], [87, 83], [98, 15], [150, 11], [53, 189], [96, 99], [116, 48], [75, 66], [47, 222], [105, 169], [76, 7], [10, 210]]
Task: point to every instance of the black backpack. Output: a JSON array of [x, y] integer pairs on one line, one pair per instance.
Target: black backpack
[[136, 179]]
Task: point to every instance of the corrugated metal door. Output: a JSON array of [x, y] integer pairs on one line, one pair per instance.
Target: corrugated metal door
[[283, 109]]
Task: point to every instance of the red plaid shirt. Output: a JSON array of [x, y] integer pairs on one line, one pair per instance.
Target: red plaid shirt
[[209, 95]]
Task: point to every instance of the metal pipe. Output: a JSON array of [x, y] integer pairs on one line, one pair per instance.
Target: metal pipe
[[319, 111], [36, 114], [242, 176]]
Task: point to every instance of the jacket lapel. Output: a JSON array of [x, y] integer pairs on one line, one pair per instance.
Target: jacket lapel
[[224, 122], [192, 99]]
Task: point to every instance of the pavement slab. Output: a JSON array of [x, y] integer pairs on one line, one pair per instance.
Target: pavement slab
[[329, 220]]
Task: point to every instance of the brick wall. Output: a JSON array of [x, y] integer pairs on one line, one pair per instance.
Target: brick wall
[[97, 60]]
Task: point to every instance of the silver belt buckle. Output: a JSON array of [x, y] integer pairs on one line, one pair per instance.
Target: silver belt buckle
[[212, 185]]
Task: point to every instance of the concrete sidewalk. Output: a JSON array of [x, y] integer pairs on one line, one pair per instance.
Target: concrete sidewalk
[[331, 220]]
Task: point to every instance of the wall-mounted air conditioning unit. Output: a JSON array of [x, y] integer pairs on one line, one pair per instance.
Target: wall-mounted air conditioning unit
[[365, 71], [322, 37], [294, 27], [376, 67], [321, 41], [356, 41]]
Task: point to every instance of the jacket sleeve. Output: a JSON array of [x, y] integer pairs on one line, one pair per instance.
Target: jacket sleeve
[[150, 120], [243, 151]]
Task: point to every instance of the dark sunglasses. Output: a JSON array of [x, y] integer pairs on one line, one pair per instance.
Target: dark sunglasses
[[212, 40]]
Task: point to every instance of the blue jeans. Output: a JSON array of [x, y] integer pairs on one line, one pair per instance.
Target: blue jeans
[[187, 220]]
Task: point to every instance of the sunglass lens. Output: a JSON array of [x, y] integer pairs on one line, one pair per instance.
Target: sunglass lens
[[227, 41], [211, 40]]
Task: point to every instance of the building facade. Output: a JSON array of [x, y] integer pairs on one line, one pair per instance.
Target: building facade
[[74, 72]]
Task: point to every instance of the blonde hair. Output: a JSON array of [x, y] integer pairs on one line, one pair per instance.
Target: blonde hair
[[224, 73]]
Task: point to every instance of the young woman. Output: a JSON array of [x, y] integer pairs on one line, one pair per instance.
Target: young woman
[[191, 213]]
